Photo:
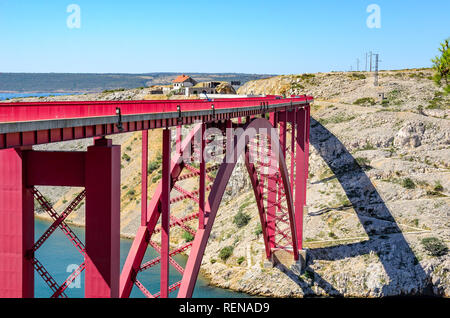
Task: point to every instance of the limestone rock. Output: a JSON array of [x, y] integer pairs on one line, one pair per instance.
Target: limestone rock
[[225, 88], [410, 135]]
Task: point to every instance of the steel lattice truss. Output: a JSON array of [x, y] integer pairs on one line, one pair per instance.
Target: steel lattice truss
[[58, 222]]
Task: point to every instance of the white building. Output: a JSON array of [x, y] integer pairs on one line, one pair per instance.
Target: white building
[[183, 81]]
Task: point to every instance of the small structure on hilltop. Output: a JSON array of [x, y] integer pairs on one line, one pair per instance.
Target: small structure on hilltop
[[210, 84], [210, 88], [156, 90], [236, 85], [183, 81], [202, 88]]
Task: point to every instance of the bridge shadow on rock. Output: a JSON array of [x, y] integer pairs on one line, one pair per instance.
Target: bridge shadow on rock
[[305, 283], [406, 276]]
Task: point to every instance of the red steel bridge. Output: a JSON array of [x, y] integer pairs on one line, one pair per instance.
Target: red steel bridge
[[273, 135]]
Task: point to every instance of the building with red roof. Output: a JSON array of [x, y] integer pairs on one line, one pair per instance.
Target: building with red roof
[[183, 81]]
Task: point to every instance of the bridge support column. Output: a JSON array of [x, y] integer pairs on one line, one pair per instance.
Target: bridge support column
[[300, 179], [202, 180], [144, 177], [291, 117], [307, 124], [272, 190], [165, 213], [178, 139], [16, 227], [102, 177]]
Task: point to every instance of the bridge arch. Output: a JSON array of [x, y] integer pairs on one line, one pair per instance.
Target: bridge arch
[[256, 126], [133, 264]]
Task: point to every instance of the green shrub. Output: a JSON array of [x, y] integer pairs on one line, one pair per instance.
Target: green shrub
[[226, 252], [339, 118], [306, 76], [393, 95], [241, 219], [309, 274], [343, 199], [420, 109], [156, 178], [363, 163], [37, 205], [212, 260], [152, 166], [364, 101], [441, 66], [188, 237], [113, 90], [126, 157], [368, 146], [438, 186], [437, 102], [434, 246], [79, 206], [297, 86], [131, 193], [359, 76], [213, 173], [332, 235], [240, 260], [408, 183], [258, 229]]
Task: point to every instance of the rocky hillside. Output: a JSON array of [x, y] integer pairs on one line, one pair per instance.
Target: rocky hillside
[[379, 185], [377, 221], [405, 90]]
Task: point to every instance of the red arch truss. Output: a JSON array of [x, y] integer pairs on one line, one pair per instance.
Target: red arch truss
[[241, 146]]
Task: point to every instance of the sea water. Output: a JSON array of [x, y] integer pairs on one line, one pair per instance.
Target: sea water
[[60, 258]]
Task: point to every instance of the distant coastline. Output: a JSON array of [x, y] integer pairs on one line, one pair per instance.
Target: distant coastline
[[12, 95], [80, 83], [47, 92]]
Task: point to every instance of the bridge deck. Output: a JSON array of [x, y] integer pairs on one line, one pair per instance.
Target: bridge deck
[[27, 124]]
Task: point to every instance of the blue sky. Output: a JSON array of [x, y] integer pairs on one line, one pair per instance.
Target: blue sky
[[245, 36]]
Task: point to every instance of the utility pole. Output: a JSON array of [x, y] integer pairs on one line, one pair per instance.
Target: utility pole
[[366, 63], [357, 64], [370, 54], [376, 69]]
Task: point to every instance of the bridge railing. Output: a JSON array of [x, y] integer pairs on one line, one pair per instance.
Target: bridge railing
[[20, 112]]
